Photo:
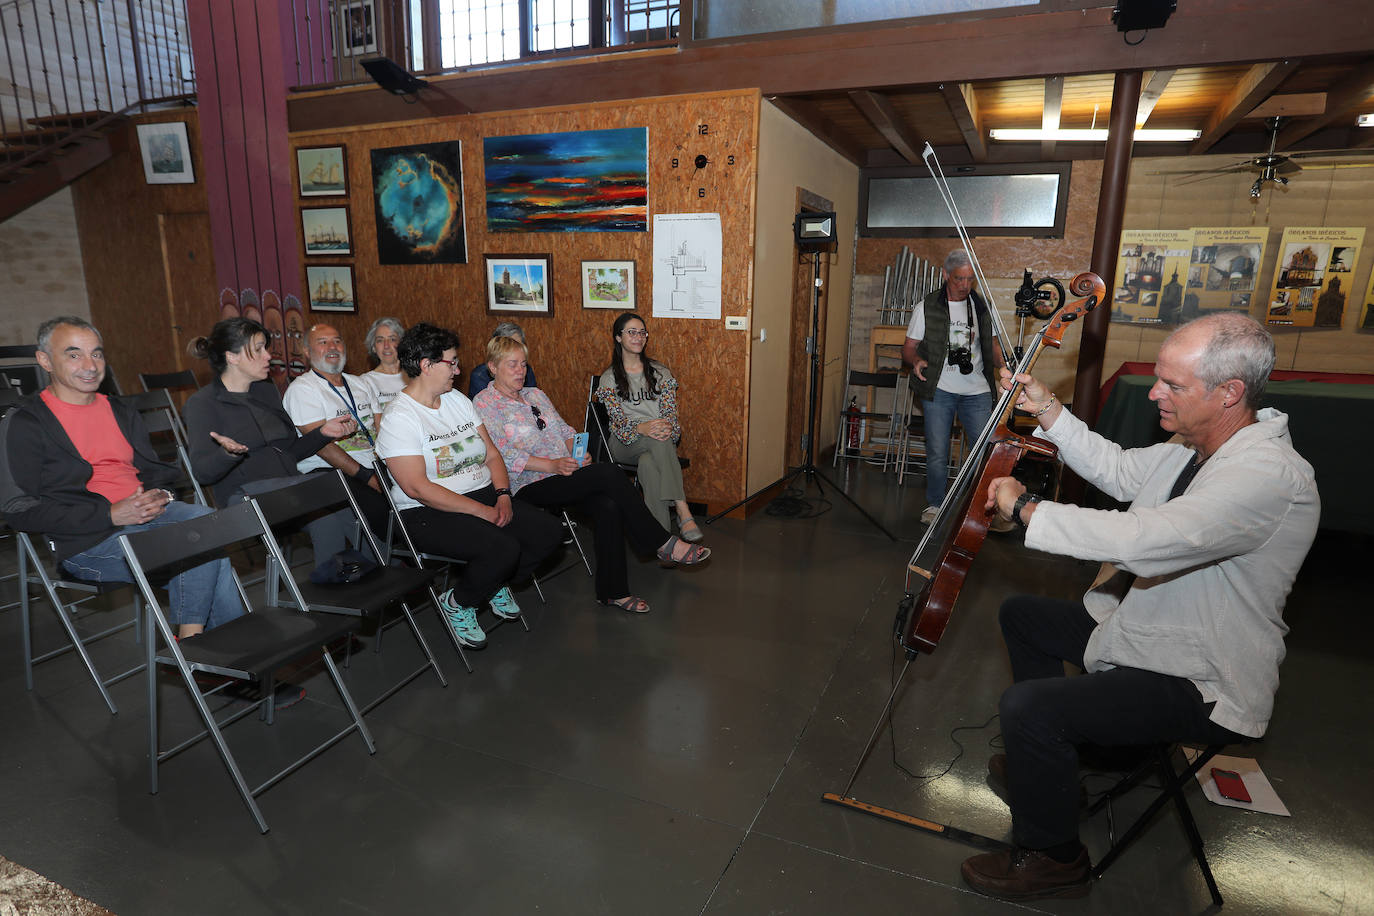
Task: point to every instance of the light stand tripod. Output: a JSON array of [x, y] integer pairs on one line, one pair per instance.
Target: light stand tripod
[[808, 467]]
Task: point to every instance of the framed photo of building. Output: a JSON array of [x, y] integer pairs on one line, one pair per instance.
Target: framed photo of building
[[357, 27], [518, 284], [324, 231], [608, 285], [322, 171], [166, 153], [330, 288]]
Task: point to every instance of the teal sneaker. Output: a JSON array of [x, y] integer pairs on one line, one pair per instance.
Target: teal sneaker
[[503, 604], [463, 622]]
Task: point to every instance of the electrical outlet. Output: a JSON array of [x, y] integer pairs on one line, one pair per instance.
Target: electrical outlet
[[736, 323]]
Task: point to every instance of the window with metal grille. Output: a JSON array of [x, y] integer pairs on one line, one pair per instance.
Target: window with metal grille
[[487, 31], [478, 31]]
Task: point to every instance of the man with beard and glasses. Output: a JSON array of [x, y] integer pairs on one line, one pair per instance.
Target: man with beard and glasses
[[326, 392]]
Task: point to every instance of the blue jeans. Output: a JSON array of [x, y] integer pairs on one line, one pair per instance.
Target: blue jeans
[[973, 410], [204, 594]]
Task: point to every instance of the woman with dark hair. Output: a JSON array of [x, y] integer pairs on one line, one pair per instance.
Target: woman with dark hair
[[452, 490], [381, 341], [536, 444], [243, 441], [640, 395]]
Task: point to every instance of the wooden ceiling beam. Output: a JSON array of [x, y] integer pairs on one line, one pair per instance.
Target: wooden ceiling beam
[[963, 107], [961, 51], [886, 120], [1343, 100], [1252, 88], [1049, 113], [824, 129], [1149, 96]]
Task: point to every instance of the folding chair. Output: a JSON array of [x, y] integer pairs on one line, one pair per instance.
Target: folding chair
[[874, 381], [162, 419], [20, 368], [368, 598], [68, 615], [180, 380], [409, 551], [1174, 784], [9, 397], [249, 648]]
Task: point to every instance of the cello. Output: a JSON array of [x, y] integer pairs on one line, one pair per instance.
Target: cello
[[923, 615]]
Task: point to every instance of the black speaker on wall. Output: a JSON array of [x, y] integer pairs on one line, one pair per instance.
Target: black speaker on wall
[[1133, 15], [392, 77]]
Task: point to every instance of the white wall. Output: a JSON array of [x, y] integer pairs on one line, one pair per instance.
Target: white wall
[[40, 268], [790, 157]]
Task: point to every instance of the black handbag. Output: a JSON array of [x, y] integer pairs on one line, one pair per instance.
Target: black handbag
[[344, 568]]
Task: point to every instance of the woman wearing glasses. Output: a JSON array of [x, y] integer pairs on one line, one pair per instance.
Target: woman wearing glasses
[[640, 395], [451, 487], [536, 444]]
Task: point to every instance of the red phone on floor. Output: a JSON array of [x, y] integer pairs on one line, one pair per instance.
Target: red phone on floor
[[1230, 786]]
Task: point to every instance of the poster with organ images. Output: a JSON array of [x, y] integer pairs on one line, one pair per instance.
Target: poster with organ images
[[1223, 270], [1149, 275], [1313, 276]]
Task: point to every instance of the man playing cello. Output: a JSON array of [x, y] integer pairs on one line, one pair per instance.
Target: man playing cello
[[1180, 639]]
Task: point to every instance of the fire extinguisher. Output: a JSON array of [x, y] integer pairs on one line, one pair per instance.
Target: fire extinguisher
[[851, 423]]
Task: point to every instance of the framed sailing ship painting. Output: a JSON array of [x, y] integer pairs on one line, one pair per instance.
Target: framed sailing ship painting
[[324, 231], [322, 170], [331, 288]]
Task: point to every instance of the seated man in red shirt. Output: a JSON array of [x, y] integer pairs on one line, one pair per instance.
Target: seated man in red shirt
[[79, 469]]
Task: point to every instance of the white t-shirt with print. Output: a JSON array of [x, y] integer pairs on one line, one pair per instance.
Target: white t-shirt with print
[[446, 437], [960, 335], [310, 399], [388, 384]]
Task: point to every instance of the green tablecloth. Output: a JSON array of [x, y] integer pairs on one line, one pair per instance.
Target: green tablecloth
[[1332, 427]]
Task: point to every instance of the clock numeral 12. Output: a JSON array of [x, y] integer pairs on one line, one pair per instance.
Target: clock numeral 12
[[703, 129]]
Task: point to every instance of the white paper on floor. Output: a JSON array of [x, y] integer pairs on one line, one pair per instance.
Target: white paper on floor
[[1263, 797]]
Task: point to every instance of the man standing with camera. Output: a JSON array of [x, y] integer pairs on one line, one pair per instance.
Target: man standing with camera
[[950, 348]]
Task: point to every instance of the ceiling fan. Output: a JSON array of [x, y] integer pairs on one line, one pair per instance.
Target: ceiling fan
[[1270, 168]]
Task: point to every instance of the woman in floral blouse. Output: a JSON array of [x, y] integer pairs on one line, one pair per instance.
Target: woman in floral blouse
[[536, 444], [640, 395]]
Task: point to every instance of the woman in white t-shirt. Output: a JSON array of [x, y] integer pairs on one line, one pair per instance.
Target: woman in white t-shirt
[[452, 490], [640, 395], [382, 339]]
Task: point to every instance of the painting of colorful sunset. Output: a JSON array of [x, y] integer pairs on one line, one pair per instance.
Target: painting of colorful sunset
[[578, 181]]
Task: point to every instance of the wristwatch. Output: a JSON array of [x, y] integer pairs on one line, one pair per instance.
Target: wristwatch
[[1022, 501], [502, 491]]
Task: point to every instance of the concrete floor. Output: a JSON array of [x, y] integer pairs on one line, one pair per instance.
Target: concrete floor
[[674, 762]]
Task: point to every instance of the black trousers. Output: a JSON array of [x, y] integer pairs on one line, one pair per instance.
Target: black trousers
[[605, 495], [494, 555], [1046, 715]]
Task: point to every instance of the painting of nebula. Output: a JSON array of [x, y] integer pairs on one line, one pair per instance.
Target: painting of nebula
[[579, 181], [417, 193]]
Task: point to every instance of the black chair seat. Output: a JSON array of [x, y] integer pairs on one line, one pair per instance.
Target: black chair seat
[[372, 595], [263, 641]]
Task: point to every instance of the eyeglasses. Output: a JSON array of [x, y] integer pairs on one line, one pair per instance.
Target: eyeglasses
[[453, 364], [539, 421], [634, 332]]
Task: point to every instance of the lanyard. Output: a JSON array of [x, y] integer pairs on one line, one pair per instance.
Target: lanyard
[[350, 403]]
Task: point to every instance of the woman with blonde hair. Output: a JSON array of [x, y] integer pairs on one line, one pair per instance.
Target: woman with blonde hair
[[536, 444]]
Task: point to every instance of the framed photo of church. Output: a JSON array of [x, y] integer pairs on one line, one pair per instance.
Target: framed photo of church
[[519, 284]]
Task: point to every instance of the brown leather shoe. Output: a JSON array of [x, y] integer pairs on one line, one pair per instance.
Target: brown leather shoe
[[1021, 874]]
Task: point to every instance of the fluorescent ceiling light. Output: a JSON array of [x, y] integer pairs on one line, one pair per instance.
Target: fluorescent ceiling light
[[1365, 120], [1091, 135]]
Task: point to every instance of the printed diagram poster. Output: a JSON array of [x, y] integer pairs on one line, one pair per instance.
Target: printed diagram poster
[[1312, 278], [1224, 269], [687, 259], [1367, 316], [1150, 272]]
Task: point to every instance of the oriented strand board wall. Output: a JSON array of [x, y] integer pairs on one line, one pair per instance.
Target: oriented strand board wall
[[573, 343], [791, 158], [121, 248]]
